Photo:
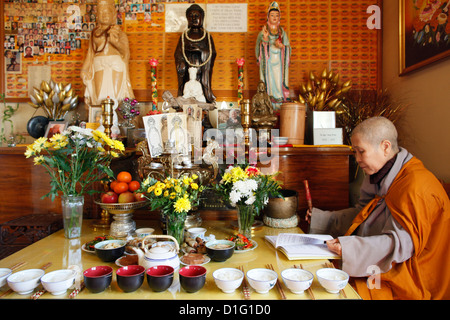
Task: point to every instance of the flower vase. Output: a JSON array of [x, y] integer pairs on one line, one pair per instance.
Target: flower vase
[[246, 218], [72, 211], [175, 223]]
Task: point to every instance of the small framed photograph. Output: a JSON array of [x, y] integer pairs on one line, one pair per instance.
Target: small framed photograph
[[55, 127], [95, 114]]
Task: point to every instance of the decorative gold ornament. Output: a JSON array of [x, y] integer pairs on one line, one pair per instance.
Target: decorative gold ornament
[[55, 98], [323, 93]]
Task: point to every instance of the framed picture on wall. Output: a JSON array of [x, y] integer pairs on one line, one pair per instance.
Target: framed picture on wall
[[424, 33], [95, 114], [55, 127]]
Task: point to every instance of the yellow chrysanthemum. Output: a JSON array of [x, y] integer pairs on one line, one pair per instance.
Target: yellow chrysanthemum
[[38, 160], [194, 186], [158, 192], [118, 145], [39, 144], [182, 204], [194, 176], [177, 189], [166, 193], [172, 195], [150, 189], [30, 151]]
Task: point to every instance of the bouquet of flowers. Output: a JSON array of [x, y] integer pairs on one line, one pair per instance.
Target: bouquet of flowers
[[175, 198], [75, 159], [246, 188]]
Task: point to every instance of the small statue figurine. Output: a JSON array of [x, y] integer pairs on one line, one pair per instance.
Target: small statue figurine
[[273, 53], [262, 109], [195, 49], [177, 103], [105, 70], [193, 88]]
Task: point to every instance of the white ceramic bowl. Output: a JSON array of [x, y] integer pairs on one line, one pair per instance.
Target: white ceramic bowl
[[197, 232], [262, 280], [280, 140], [143, 232], [24, 282], [228, 279], [297, 280], [57, 282], [332, 280], [4, 273]]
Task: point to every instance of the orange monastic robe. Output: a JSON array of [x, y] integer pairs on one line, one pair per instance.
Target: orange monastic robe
[[417, 201]]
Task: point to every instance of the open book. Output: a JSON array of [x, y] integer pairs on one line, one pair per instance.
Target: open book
[[298, 246]]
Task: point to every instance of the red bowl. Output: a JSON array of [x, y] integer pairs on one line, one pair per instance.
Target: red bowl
[[99, 271], [192, 278], [131, 270], [160, 271], [192, 271], [160, 278], [97, 279], [130, 278]]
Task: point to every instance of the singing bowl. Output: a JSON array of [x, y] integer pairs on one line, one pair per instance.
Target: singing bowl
[[280, 208]]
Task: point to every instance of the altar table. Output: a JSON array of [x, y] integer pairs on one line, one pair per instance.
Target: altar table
[[62, 253]]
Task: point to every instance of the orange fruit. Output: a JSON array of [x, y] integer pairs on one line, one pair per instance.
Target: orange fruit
[[134, 185], [121, 187], [124, 177], [113, 184]]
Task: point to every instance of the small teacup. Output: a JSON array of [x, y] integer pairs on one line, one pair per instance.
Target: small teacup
[[197, 232], [143, 232]]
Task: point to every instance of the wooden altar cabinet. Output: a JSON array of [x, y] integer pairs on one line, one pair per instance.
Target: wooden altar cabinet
[[326, 169]]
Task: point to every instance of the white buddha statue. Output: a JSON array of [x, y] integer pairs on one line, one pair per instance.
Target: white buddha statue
[[193, 88]]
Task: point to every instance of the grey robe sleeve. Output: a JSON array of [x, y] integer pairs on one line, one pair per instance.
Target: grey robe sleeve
[[334, 223], [362, 254]]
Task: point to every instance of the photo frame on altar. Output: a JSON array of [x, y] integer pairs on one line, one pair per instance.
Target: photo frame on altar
[[229, 119], [177, 131], [95, 114], [156, 133], [55, 127], [423, 35], [194, 125]]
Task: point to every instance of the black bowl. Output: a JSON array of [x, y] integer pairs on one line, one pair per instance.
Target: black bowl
[[160, 278], [97, 279], [220, 254], [109, 255], [130, 278], [192, 278]]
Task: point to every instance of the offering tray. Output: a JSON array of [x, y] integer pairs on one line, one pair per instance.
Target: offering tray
[[123, 225]]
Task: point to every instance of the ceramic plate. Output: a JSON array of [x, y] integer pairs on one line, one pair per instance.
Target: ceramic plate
[[83, 247], [207, 259], [255, 245]]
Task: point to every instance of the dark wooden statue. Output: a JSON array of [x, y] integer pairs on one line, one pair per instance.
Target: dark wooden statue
[[195, 49]]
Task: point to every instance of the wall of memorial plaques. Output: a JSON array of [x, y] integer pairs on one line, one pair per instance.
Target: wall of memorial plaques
[[44, 38]]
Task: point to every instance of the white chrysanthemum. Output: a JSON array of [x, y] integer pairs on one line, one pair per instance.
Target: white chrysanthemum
[[250, 200], [235, 196]]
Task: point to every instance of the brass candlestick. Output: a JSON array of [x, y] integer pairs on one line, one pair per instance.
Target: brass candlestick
[[246, 122], [107, 113]]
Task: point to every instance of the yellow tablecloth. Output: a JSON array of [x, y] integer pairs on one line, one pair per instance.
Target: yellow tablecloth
[[62, 253]]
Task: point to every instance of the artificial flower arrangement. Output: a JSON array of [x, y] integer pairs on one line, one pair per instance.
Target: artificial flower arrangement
[[246, 188], [75, 159], [175, 198]]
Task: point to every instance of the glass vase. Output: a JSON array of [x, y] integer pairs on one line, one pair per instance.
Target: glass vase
[[175, 223], [72, 211], [246, 218]]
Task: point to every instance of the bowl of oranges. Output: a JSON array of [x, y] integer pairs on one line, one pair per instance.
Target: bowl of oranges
[[122, 195]]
